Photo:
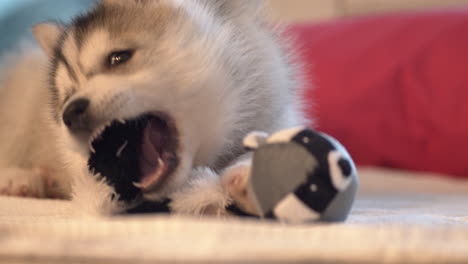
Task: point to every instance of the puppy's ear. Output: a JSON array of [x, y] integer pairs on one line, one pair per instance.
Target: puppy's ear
[[48, 35], [255, 139]]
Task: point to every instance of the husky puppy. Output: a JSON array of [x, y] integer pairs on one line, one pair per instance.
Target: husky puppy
[[144, 100]]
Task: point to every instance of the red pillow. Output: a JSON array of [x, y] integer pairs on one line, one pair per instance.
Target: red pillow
[[393, 89]]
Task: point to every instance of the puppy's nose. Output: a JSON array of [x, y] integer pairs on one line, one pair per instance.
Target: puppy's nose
[[73, 114]]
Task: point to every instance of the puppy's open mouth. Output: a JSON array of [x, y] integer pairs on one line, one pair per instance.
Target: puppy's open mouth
[[135, 155]]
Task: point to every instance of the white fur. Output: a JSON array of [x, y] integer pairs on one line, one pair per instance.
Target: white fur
[[26, 129], [49, 35], [203, 194], [63, 80], [95, 46], [216, 69]]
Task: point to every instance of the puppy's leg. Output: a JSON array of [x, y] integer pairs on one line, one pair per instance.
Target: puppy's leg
[[208, 193], [202, 195], [37, 182]]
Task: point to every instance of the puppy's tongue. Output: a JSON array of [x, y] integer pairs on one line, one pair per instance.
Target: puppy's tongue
[[153, 163]]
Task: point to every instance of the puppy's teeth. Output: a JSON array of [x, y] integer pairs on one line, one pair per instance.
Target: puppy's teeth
[[97, 134], [138, 185], [160, 162], [121, 121], [91, 148], [94, 136]]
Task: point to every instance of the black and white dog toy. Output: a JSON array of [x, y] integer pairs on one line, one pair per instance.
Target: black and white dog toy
[[300, 175]]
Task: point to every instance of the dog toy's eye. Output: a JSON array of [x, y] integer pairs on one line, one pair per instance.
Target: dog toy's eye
[[119, 57], [308, 139]]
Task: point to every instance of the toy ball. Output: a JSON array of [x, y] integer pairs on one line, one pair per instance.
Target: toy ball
[[300, 175]]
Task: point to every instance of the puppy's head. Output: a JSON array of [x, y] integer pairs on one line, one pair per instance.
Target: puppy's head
[[142, 89]]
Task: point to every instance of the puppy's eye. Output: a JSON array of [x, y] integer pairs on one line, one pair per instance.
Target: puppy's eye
[[119, 57]]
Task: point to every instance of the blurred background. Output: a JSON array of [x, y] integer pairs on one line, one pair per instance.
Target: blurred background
[[16, 16], [307, 10]]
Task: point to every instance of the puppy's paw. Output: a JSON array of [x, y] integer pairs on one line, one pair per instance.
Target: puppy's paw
[[54, 187], [235, 181], [22, 183], [33, 183], [202, 195]]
